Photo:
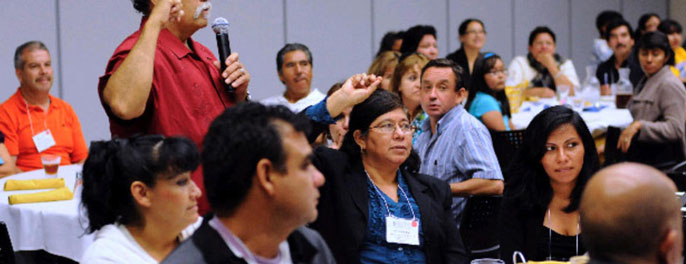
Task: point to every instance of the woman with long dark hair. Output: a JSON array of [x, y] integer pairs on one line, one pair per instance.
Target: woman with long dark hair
[[487, 100], [139, 197], [472, 34], [540, 207]]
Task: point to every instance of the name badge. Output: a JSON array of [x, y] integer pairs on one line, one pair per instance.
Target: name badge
[[402, 231], [43, 140]]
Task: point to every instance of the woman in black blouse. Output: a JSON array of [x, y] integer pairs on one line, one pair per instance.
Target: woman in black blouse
[[540, 209]]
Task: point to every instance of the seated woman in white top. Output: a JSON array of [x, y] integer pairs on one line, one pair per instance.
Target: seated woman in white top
[[139, 197], [544, 69]]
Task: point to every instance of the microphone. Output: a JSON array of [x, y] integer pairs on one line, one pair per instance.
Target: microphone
[[221, 28]]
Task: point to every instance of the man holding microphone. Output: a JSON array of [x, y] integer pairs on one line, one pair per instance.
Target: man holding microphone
[[160, 81]]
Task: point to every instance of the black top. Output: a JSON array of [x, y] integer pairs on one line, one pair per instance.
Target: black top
[[561, 248], [521, 229], [460, 57], [608, 67]]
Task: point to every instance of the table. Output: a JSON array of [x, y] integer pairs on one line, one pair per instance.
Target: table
[[597, 122], [56, 227]]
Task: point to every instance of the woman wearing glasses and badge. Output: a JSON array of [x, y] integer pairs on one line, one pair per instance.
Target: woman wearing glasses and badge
[[374, 206]]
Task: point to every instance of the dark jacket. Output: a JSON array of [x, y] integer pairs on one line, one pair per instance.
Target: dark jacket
[[460, 58], [207, 246], [344, 210]]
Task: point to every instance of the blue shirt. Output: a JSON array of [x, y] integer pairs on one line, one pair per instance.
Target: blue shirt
[[375, 249], [417, 123], [484, 103], [461, 149]]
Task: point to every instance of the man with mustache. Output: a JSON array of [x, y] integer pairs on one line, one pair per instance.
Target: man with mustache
[[294, 65], [34, 122], [160, 81], [621, 41]]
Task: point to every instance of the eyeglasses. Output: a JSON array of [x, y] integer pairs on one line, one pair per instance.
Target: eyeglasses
[[494, 73], [389, 128]]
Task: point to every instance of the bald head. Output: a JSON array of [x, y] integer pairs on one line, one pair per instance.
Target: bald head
[[628, 211]]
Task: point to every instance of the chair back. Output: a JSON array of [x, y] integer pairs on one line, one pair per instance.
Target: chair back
[[505, 144], [6, 250], [479, 226], [662, 156]]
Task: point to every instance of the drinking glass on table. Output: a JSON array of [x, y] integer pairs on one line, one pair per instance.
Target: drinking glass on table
[[562, 92], [51, 164]]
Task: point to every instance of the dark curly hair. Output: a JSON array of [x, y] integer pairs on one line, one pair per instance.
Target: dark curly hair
[[238, 139], [113, 165], [142, 6]]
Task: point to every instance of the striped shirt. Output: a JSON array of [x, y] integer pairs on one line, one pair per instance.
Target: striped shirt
[[460, 150]]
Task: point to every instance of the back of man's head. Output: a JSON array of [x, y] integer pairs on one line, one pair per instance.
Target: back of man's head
[[630, 214], [235, 142]]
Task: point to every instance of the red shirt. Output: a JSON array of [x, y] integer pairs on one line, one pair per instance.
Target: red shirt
[[62, 121], [186, 95]]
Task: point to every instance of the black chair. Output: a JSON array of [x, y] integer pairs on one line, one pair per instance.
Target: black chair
[[505, 144], [612, 155], [662, 156], [6, 250], [479, 226], [678, 175]]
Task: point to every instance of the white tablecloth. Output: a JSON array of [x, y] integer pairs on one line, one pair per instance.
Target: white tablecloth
[[597, 122], [56, 227]]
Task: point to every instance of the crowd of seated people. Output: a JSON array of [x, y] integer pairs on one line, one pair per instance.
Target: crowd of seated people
[[377, 170]]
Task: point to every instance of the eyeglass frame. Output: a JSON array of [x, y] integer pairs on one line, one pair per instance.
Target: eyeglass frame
[[384, 129]]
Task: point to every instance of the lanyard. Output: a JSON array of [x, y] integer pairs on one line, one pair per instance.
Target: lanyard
[[378, 192], [550, 237], [45, 121]]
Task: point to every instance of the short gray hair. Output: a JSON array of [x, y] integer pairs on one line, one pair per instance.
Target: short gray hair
[[28, 46], [280, 56]]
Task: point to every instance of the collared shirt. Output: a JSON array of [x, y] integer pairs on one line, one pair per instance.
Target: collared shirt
[[60, 118], [312, 98], [187, 94], [461, 149], [239, 249]]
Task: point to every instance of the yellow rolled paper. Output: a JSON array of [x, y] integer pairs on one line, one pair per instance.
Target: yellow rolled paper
[[48, 196], [52, 183]]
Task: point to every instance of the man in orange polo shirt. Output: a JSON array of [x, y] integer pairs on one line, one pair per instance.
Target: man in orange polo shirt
[[34, 122]]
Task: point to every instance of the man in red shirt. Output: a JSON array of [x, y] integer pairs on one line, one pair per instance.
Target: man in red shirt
[[34, 122], [160, 81]]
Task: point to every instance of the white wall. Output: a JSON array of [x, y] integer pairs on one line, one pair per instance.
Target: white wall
[[343, 35]]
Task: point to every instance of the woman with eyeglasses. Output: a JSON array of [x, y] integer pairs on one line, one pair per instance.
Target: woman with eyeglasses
[[472, 39], [487, 100], [374, 206]]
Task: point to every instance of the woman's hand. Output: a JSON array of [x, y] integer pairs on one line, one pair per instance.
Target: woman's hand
[[624, 141], [355, 90]]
